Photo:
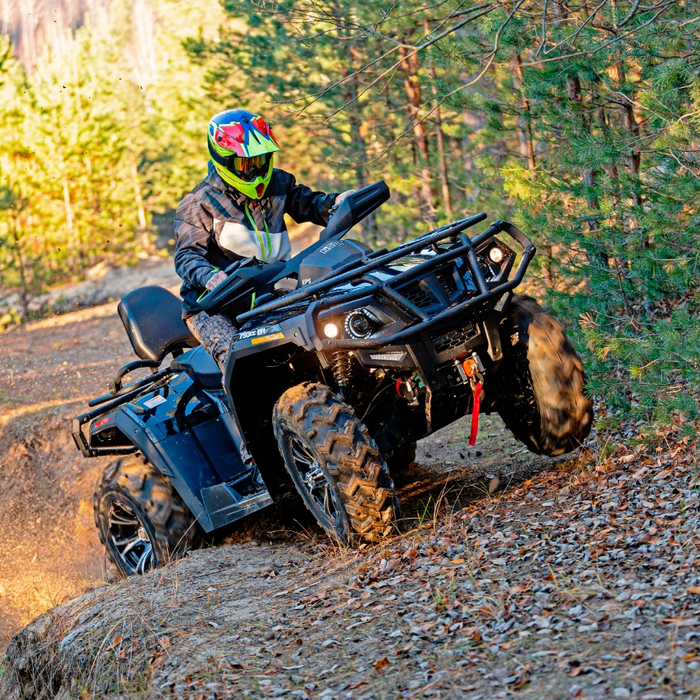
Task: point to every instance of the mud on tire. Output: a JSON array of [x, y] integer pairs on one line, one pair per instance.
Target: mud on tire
[[140, 518], [541, 382], [334, 464]]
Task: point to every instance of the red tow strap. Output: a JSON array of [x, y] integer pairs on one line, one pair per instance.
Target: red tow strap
[[475, 414]]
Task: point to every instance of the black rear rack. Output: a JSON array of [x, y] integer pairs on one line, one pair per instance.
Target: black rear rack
[[356, 272], [112, 400]]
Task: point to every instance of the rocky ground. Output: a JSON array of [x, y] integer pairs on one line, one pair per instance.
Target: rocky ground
[[510, 574]]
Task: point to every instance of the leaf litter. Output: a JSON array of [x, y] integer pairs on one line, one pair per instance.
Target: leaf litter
[[578, 578]]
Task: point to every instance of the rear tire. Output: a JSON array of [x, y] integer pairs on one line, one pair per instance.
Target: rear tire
[[334, 464], [541, 382], [140, 518]]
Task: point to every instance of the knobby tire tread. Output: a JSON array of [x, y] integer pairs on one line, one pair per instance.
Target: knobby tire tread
[[349, 452], [541, 382], [173, 524]]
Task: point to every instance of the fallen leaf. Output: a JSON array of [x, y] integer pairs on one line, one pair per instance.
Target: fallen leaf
[[379, 665], [681, 621]]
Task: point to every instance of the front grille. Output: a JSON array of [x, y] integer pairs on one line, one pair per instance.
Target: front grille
[[454, 339], [422, 298], [418, 296], [447, 281]]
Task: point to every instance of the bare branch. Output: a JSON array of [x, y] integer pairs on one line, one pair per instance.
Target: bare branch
[[631, 14], [544, 30], [664, 6], [413, 122], [413, 51], [682, 164], [574, 36]]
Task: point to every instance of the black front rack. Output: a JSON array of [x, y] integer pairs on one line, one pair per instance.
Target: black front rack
[[356, 273]]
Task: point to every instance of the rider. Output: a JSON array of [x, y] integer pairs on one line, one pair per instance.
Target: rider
[[237, 211]]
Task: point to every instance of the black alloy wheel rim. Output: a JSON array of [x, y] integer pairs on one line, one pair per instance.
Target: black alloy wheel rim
[[315, 483], [130, 539]]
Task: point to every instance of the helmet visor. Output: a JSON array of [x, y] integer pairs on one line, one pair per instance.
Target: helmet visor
[[249, 168]]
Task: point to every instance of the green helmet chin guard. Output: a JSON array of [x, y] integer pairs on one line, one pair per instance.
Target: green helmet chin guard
[[241, 145]]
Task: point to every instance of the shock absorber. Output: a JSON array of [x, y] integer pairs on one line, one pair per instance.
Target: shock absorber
[[341, 365]]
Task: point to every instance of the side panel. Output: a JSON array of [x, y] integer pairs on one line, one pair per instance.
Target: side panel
[[190, 436], [255, 379]]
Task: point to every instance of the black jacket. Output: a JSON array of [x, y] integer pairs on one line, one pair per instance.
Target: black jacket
[[216, 225]]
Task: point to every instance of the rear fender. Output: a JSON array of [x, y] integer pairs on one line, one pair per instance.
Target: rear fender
[[189, 435]]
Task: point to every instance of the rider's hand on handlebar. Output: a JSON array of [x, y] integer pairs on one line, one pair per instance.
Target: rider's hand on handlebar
[[338, 199], [216, 279], [341, 197]]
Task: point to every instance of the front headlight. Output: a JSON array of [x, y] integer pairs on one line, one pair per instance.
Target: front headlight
[[330, 330], [361, 323]]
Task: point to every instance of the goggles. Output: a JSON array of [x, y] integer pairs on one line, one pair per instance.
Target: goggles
[[248, 168]]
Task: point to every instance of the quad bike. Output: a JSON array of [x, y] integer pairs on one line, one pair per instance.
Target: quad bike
[[344, 358]]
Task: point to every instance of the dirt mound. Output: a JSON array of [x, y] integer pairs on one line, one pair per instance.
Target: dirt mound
[[578, 582], [49, 551]]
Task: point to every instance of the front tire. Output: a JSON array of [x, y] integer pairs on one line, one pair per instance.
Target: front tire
[[334, 464], [541, 382], [140, 518]]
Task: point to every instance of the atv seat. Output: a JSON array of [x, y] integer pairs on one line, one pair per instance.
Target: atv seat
[[152, 318]]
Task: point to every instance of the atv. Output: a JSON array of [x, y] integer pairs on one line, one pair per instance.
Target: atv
[[344, 358]]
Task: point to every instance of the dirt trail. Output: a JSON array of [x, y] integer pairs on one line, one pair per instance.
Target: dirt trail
[[48, 548], [49, 551]]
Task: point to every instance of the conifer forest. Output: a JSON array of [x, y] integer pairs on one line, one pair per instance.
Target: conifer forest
[[579, 121]]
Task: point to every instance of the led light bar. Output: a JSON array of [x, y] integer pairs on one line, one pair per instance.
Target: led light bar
[[388, 356]]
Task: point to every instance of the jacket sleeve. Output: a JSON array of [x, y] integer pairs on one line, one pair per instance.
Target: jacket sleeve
[[303, 204], [192, 231]]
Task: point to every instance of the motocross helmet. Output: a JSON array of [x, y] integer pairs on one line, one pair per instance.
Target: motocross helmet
[[241, 145]]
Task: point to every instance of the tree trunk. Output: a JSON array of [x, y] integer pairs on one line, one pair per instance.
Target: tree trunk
[[138, 198], [442, 155], [19, 262], [527, 152], [357, 142], [142, 233], [413, 93], [573, 91], [71, 231], [527, 146], [629, 122]]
